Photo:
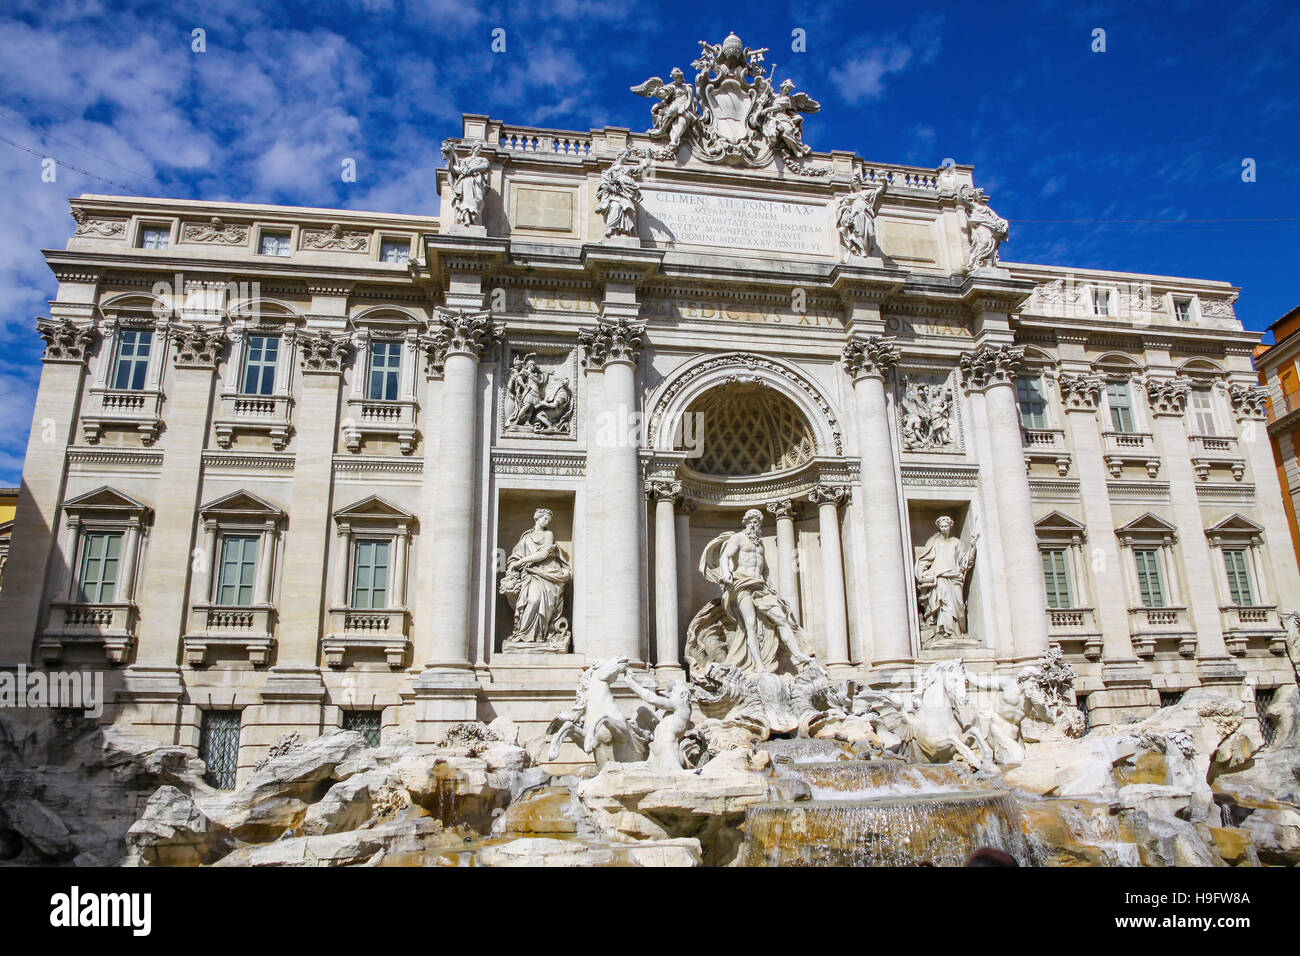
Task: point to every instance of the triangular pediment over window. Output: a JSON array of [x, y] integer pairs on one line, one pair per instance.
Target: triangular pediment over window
[[1147, 525], [240, 504], [105, 501], [373, 508], [1058, 522], [1235, 524]]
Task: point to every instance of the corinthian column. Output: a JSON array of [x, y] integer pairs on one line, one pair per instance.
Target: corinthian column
[[787, 576], [991, 369], [665, 495], [828, 499], [868, 361], [609, 350], [459, 340]]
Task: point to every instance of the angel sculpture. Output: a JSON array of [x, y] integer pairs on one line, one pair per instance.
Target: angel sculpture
[[468, 182], [674, 114], [618, 192], [855, 216], [779, 119]]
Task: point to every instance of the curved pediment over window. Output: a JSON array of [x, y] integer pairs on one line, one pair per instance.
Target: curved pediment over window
[[749, 429]]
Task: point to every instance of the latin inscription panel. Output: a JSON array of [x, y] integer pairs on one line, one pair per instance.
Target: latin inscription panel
[[735, 222]]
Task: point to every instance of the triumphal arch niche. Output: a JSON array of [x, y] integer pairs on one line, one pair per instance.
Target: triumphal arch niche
[[701, 396]]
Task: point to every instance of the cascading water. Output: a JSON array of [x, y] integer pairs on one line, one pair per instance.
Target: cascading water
[[881, 813]]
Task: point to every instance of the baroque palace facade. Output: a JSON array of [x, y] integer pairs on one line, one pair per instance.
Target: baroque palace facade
[[293, 469]]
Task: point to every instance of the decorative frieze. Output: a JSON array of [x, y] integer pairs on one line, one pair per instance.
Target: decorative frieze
[[990, 365], [1167, 396], [197, 346], [1081, 392], [215, 231], [98, 228], [940, 475], [873, 356], [617, 341], [65, 341], [322, 352], [533, 464], [335, 239], [1248, 401]]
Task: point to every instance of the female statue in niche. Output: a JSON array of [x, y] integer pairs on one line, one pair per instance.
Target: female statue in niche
[[537, 572]]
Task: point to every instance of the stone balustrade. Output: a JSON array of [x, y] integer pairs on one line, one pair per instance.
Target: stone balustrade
[[137, 409]]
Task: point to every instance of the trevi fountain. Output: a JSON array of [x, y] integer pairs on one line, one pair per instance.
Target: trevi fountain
[[452, 614]]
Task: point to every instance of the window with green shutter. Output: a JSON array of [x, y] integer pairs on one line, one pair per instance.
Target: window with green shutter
[[370, 574], [1234, 560], [1033, 407], [100, 557], [1120, 402], [1150, 585], [238, 570], [1056, 578]]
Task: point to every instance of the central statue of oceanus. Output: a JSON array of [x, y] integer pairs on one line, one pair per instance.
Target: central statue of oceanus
[[749, 626]]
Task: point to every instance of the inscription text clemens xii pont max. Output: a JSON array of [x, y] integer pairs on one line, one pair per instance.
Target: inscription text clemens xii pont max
[[736, 222]]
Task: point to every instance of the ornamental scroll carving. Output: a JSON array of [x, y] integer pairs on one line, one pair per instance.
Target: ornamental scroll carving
[[618, 341], [990, 365], [197, 346], [65, 341], [468, 333]]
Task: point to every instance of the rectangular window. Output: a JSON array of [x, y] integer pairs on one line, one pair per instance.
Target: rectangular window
[[132, 358], [367, 723], [1101, 301], [1150, 585], [238, 570], [1203, 411], [1081, 701], [1234, 561], [274, 244], [395, 250], [385, 364], [259, 364], [154, 237], [370, 575], [1120, 402], [1033, 407], [100, 557], [1264, 697], [1183, 310], [1170, 698], [1056, 578], [219, 747]]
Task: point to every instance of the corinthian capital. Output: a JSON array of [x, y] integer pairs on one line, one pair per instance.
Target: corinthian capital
[[990, 365], [197, 346], [872, 356], [65, 341], [321, 351], [1248, 401], [618, 341], [1167, 396], [822, 494], [1081, 392]]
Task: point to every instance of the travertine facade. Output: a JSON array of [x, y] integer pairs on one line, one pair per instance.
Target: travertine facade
[[305, 462]]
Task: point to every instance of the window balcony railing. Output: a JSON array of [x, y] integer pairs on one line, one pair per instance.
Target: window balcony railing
[[245, 629], [1148, 625], [1075, 625], [1045, 444], [393, 420], [269, 414], [362, 633], [109, 626], [136, 409], [1241, 622], [1209, 451], [1123, 448]]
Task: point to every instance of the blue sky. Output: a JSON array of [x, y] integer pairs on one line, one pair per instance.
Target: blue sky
[[1156, 127]]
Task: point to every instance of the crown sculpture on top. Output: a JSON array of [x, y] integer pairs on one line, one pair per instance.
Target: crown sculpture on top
[[733, 113]]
